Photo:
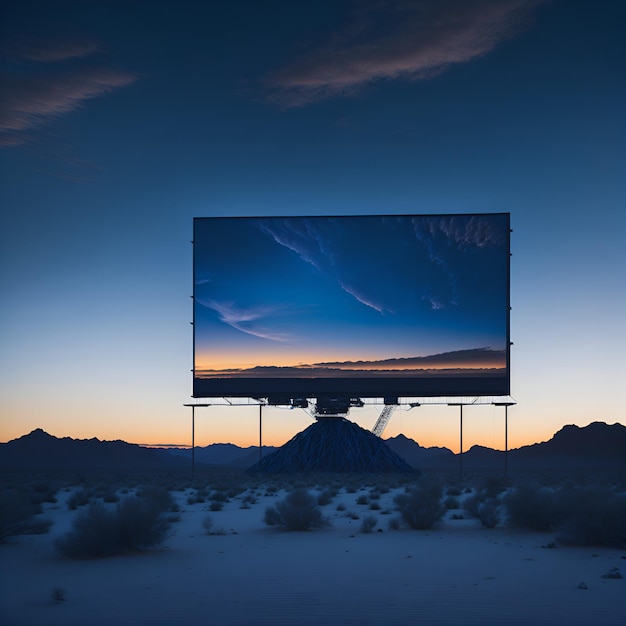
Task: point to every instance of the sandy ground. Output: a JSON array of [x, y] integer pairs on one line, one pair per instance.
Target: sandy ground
[[458, 573]]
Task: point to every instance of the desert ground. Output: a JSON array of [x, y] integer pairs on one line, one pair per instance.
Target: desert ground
[[243, 571]]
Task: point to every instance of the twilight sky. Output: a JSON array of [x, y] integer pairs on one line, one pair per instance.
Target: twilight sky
[[121, 121]]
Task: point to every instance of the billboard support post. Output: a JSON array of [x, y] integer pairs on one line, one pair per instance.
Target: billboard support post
[[193, 442], [260, 431], [506, 406], [193, 436], [460, 405], [461, 443]]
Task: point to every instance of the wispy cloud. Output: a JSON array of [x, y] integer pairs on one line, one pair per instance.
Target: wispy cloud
[[50, 85], [398, 39], [248, 320], [363, 299], [32, 101], [48, 50]]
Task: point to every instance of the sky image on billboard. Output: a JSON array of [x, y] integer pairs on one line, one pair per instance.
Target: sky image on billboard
[[406, 304]]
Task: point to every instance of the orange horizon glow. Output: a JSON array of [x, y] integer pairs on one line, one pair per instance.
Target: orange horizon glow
[[428, 426]]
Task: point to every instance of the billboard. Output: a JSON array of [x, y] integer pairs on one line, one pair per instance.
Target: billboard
[[351, 306]]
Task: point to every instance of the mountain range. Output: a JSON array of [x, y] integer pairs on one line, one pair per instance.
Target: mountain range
[[598, 445]]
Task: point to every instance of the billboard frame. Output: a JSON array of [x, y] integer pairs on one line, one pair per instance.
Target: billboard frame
[[297, 391]]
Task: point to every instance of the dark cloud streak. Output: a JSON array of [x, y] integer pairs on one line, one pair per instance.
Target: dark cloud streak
[[44, 83], [398, 39]]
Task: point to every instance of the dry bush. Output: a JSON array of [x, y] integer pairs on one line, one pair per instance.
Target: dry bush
[[368, 523], [484, 508], [135, 523], [17, 515], [420, 506], [581, 515], [297, 511], [531, 507], [325, 497], [593, 515]]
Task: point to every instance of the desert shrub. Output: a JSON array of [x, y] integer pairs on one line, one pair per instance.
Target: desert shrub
[[142, 522], [17, 512], [57, 595], [368, 523], [219, 496], [484, 508], [494, 485], [207, 523], [341, 506], [160, 497], [297, 511], [451, 502], [209, 528], [394, 523], [216, 505], [532, 507], [135, 523], [453, 490], [80, 497], [325, 497], [95, 532], [374, 506], [420, 506], [44, 492], [591, 516], [362, 499]]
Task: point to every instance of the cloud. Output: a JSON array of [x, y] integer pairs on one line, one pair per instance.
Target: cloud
[[35, 94], [247, 320], [29, 102], [322, 244], [45, 50], [399, 39], [362, 298]]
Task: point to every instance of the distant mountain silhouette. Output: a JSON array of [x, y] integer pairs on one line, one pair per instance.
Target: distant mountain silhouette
[[598, 445], [38, 449], [223, 454], [416, 455]]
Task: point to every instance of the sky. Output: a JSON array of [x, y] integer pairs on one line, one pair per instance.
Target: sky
[[122, 121]]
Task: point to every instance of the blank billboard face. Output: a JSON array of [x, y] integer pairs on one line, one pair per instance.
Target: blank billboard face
[[360, 306]]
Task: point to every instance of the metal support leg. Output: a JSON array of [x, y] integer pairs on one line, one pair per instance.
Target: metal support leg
[[260, 432], [461, 445], [193, 442], [506, 441]]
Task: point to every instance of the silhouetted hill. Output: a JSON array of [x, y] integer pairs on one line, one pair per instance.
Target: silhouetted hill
[[223, 454], [598, 445], [40, 450], [416, 455]]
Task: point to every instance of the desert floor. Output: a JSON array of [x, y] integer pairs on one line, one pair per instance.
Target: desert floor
[[456, 573]]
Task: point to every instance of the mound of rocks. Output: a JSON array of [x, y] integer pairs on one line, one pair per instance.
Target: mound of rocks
[[333, 445]]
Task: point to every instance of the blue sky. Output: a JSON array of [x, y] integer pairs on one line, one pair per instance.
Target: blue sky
[[121, 121]]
